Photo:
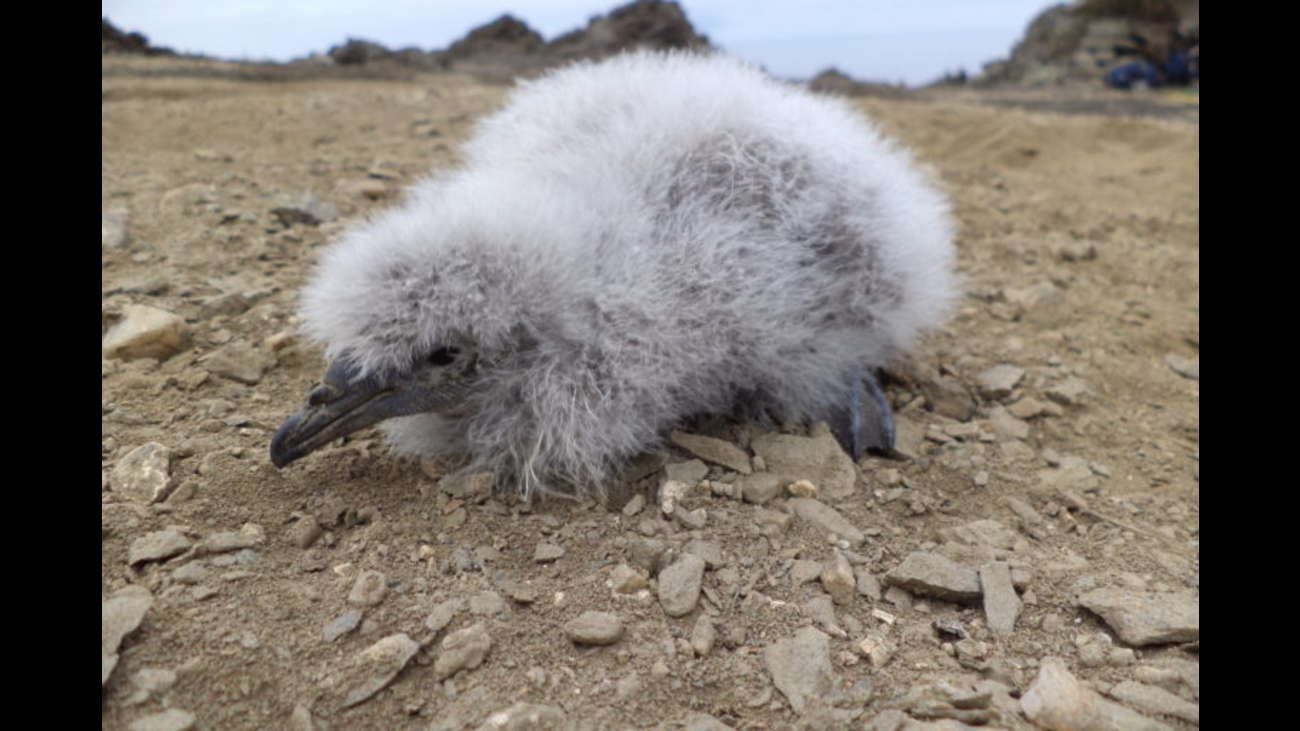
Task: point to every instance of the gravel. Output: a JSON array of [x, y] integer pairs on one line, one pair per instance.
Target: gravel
[[819, 460]]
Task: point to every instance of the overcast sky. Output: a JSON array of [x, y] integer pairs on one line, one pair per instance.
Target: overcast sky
[[914, 41]]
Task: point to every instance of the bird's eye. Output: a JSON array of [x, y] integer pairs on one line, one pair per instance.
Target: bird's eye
[[443, 356]]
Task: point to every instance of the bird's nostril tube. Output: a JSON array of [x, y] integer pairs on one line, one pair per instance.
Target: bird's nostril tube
[[320, 395]]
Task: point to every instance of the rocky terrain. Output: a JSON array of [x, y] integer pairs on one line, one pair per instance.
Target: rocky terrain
[[1030, 561]]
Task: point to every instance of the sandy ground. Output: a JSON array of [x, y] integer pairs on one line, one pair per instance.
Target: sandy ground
[[1079, 250]]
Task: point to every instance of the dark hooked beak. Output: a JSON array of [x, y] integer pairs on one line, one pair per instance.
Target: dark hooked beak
[[342, 404]]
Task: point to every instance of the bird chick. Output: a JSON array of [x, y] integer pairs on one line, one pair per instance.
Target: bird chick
[[627, 244]]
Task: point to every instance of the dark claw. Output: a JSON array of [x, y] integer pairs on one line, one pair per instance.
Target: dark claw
[[864, 424]]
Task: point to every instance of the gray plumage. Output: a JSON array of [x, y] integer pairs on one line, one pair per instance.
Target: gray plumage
[[629, 243]]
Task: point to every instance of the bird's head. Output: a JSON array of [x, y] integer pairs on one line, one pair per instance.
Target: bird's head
[[346, 400], [411, 312]]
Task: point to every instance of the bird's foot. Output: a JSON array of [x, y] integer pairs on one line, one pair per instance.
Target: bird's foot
[[864, 424]]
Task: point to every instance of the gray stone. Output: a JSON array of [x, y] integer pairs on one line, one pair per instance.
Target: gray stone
[[1006, 425], [819, 459], [119, 616], [948, 397], [443, 613], [145, 332], [172, 719], [144, 473], [838, 580], [760, 487], [229, 540], [1155, 700], [826, 518], [1059, 702], [690, 472], [304, 532], [369, 589], [462, 650], [594, 628], [710, 551], [1001, 605], [1146, 618], [1068, 392], [821, 610], [487, 604], [703, 722], [547, 552], [341, 625], [1040, 304], [868, 585], [1185, 367], [112, 228], [239, 362], [524, 716], [679, 585], [713, 450], [703, 635], [626, 580], [157, 546], [930, 574], [191, 573], [466, 486], [800, 667], [802, 571], [377, 665], [998, 382]]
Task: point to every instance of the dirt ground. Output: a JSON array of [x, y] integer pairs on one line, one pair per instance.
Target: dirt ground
[[1078, 244]]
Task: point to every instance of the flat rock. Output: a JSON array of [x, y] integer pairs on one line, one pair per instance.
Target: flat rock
[[818, 459], [462, 650], [119, 616], [680, 584], [689, 472], [172, 719], [1068, 392], [369, 589], [826, 518], [930, 574], [341, 625], [713, 450], [377, 665], [145, 332], [868, 585], [112, 228], [1156, 701], [526, 717], [1185, 367], [239, 362], [1146, 618], [949, 397], [800, 666], [1059, 702], [998, 382], [703, 722], [594, 628], [143, 473], [157, 546], [547, 552], [760, 487], [443, 613], [1001, 605]]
